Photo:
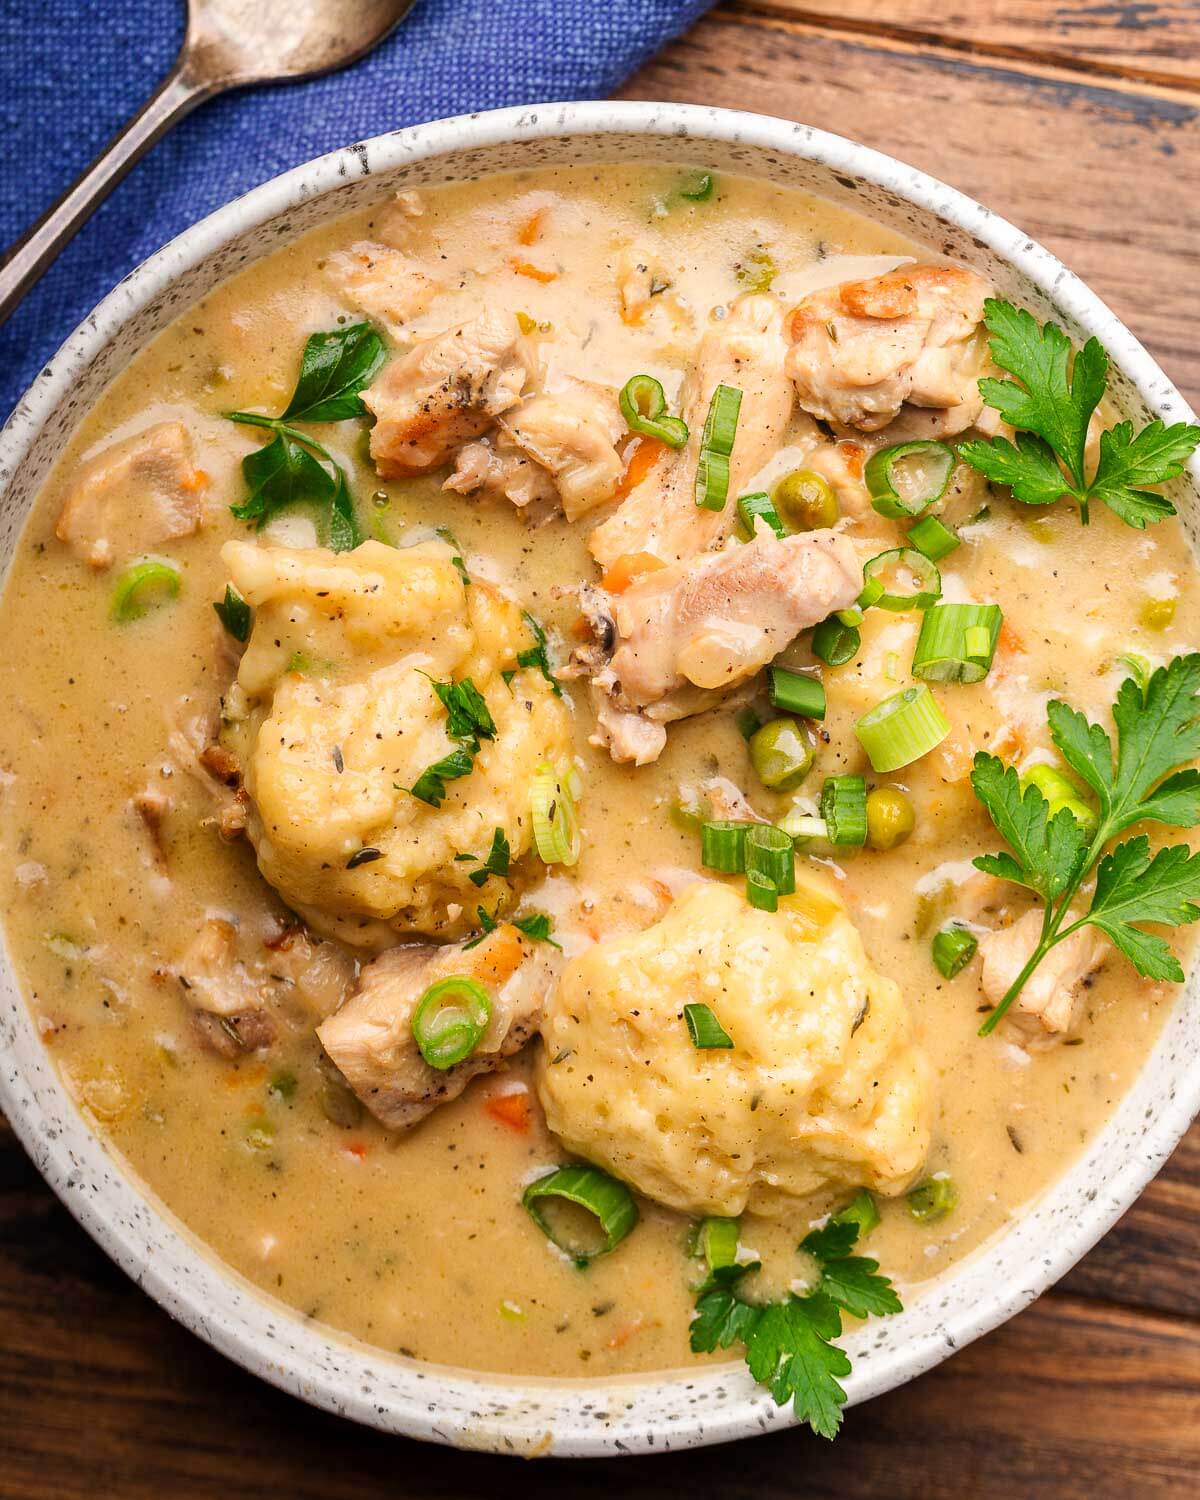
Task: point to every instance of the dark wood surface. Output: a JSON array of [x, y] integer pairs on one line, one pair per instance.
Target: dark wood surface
[[1080, 120]]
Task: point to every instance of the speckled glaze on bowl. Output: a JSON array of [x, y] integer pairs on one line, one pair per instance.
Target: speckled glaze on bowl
[[671, 1409]]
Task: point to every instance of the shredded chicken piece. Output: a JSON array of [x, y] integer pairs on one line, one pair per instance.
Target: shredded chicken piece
[[231, 1036], [445, 391], [133, 495], [371, 1038], [1048, 1005], [495, 466], [383, 282], [212, 974], [194, 748], [745, 349], [727, 802], [862, 349], [152, 805]]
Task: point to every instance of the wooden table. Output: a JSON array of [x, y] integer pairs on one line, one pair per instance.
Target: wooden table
[[1080, 121]]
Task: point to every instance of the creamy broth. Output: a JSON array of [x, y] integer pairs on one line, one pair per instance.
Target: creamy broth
[[416, 1241]]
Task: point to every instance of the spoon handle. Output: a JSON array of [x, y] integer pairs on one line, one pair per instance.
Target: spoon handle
[[29, 257]]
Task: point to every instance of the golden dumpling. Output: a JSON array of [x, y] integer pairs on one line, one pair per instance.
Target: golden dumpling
[[823, 1084], [336, 718]]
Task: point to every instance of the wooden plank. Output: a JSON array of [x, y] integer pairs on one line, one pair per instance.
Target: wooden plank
[[1152, 39], [103, 1394], [1109, 179]]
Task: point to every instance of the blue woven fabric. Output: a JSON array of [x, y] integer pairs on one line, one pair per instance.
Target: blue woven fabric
[[73, 71]]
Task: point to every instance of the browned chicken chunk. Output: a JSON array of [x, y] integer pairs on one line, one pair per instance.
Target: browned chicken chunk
[[133, 495], [860, 350], [444, 392], [387, 285], [371, 1038]]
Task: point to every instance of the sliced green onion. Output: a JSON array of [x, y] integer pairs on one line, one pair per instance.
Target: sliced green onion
[[781, 754], [705, 1030], [877, 575], [751, 507], [861, 1210], [902, 728], [801, 826], [146, 582], [932, 538], [957, 642], [720, 429], [747, 722], [644, 407], [932, 1199], [712, 480], [905, 479], [717, 1241], [555, 819], [1060, 791], [723, 846], [852, 618], [607, 1201], [871, 594], [844, 809], [953, 949], [761, 893], [835, 643], [234, 613], [796, 694], [450, 1020], [720, 426], [699, 189], [771, 854]]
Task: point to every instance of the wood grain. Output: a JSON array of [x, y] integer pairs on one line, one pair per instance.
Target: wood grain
[[1108, 179], [1155, 40]]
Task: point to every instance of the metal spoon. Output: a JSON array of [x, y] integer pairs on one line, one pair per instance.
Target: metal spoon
[[229, 44]]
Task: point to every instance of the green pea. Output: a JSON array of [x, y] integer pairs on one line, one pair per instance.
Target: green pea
[[1157, 614], [890, 817], [805, 501], [932, 1199], [781, 754]]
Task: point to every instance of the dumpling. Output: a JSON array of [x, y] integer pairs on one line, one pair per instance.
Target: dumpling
[[336, 718], [823, 1085]]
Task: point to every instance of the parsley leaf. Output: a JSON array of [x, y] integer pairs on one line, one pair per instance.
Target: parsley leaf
[[496, 862], [1158, 730], [467, 712], [536, 927], [790, 1344], [334, 367], [430, 785], [538, 654], [234, 613], [294, 467], [1050, 403]]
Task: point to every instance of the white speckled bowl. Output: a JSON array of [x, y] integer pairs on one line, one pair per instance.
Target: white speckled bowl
[[672, 1409]]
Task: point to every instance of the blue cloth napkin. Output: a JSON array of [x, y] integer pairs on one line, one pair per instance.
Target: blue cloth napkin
[[73, 71]]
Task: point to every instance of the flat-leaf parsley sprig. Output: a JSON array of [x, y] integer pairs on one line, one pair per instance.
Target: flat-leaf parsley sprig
[[294, 467], [1051, 402], [1149, 780], [789, 1345]]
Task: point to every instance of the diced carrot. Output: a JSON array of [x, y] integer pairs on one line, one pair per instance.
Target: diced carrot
[[240, 1078], [531, 231], [626, 1331], [535, 273], [853, 454], [640, 457], [626, 568], [196, 480], [1008, 639], [511, 1109], [356, 1149], [501, 957]]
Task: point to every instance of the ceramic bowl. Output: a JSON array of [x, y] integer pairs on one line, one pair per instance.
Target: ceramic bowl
[[670, 1409]]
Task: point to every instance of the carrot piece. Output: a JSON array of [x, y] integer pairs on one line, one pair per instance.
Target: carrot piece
[[501, 957], [623, 1334], [535, 273], [854, 455], [640, 457], [626, 568], [1008, 639], [531, 231], [511, 1109], [196, 480], [356, 1149]]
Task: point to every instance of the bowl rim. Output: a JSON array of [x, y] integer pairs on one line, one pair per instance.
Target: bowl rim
[[92, 1183]]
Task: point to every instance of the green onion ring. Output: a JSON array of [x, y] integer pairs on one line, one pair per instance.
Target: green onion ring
[[957, 642], [902, 728], [887, 495], [844, 809], [644, 407], [771, 854], [450, 1020], [723, 846], [603, 1196], [145, 576], [929, 580]]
